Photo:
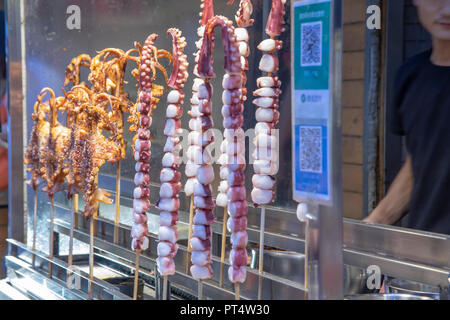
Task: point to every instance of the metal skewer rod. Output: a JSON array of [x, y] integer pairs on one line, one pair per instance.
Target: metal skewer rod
[[117, 203], [306, 257], [224, 241], [237, 292], [34, 227], [136, 275], [51, 236], [91, 259], [191, 217], [165, 287], [261, 251], [200, 290]]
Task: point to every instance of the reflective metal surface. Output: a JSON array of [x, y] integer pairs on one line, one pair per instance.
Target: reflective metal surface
[[414, 288], [324, 225], [288, 289]]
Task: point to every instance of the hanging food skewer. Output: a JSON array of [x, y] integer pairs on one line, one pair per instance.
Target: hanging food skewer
[[90, 150], [107, 76], [52, 160], [233, 105], [148, 95], [207, 7], [169, 202], [243, 21], [33, 157], [73, 75], [266, 153]]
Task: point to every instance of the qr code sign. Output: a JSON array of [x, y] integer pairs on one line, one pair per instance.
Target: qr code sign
[[311, 149], [311, 54]]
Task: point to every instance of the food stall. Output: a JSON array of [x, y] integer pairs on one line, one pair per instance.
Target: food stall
[[61, 247]]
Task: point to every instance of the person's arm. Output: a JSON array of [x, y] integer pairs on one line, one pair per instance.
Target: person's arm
[[395, 203]]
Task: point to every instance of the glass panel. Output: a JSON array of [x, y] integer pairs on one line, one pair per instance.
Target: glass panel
[[50, 46]]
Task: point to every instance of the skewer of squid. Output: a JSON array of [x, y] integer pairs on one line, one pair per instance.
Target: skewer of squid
[[169, 202], [73, 75], [265, 165], [118, 72], [52, 162], [243, 21], [233, 109], [191, 168], [38, 136], [147, 101]]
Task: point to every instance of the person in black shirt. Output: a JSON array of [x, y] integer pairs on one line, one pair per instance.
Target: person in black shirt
[[422, 115]]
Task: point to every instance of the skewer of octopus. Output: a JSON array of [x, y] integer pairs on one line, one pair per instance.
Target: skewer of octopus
[[233, 121], [243, 21], [197, 137], [266, 153], [148, 95], [169, 202]]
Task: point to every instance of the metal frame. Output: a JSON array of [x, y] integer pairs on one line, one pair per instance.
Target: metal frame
[[16, 120], [324, 232]]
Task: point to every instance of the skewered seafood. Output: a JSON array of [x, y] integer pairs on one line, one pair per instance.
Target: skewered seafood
[[200, 107], [37, 143], [267, 100], [147, 99], [73, 70], [170, 177], [235, 162], [88, 149], [52, 151], [243, 20]]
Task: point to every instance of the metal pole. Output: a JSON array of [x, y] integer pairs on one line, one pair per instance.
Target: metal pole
[[324, 223]]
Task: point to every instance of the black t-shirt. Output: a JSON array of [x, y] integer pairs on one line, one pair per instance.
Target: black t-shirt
[[422, 114]]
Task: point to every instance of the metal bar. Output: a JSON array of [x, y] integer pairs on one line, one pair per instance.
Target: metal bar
[[211, 288], [400, 269], [325, 256], [63, 265], [402, 244], [16, 123]]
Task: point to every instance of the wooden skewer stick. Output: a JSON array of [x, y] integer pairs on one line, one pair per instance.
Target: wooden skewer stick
[[191, 217], [34, 227], [165, 288], [136, 275], [51, 236], [200, 290], [261, 251], [237, 291], [91, 259], [224, 241], [117, 215], [70, 258], [75, 208]]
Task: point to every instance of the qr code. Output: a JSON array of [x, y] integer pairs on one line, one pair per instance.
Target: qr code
[[311, 149], [311, 54]]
